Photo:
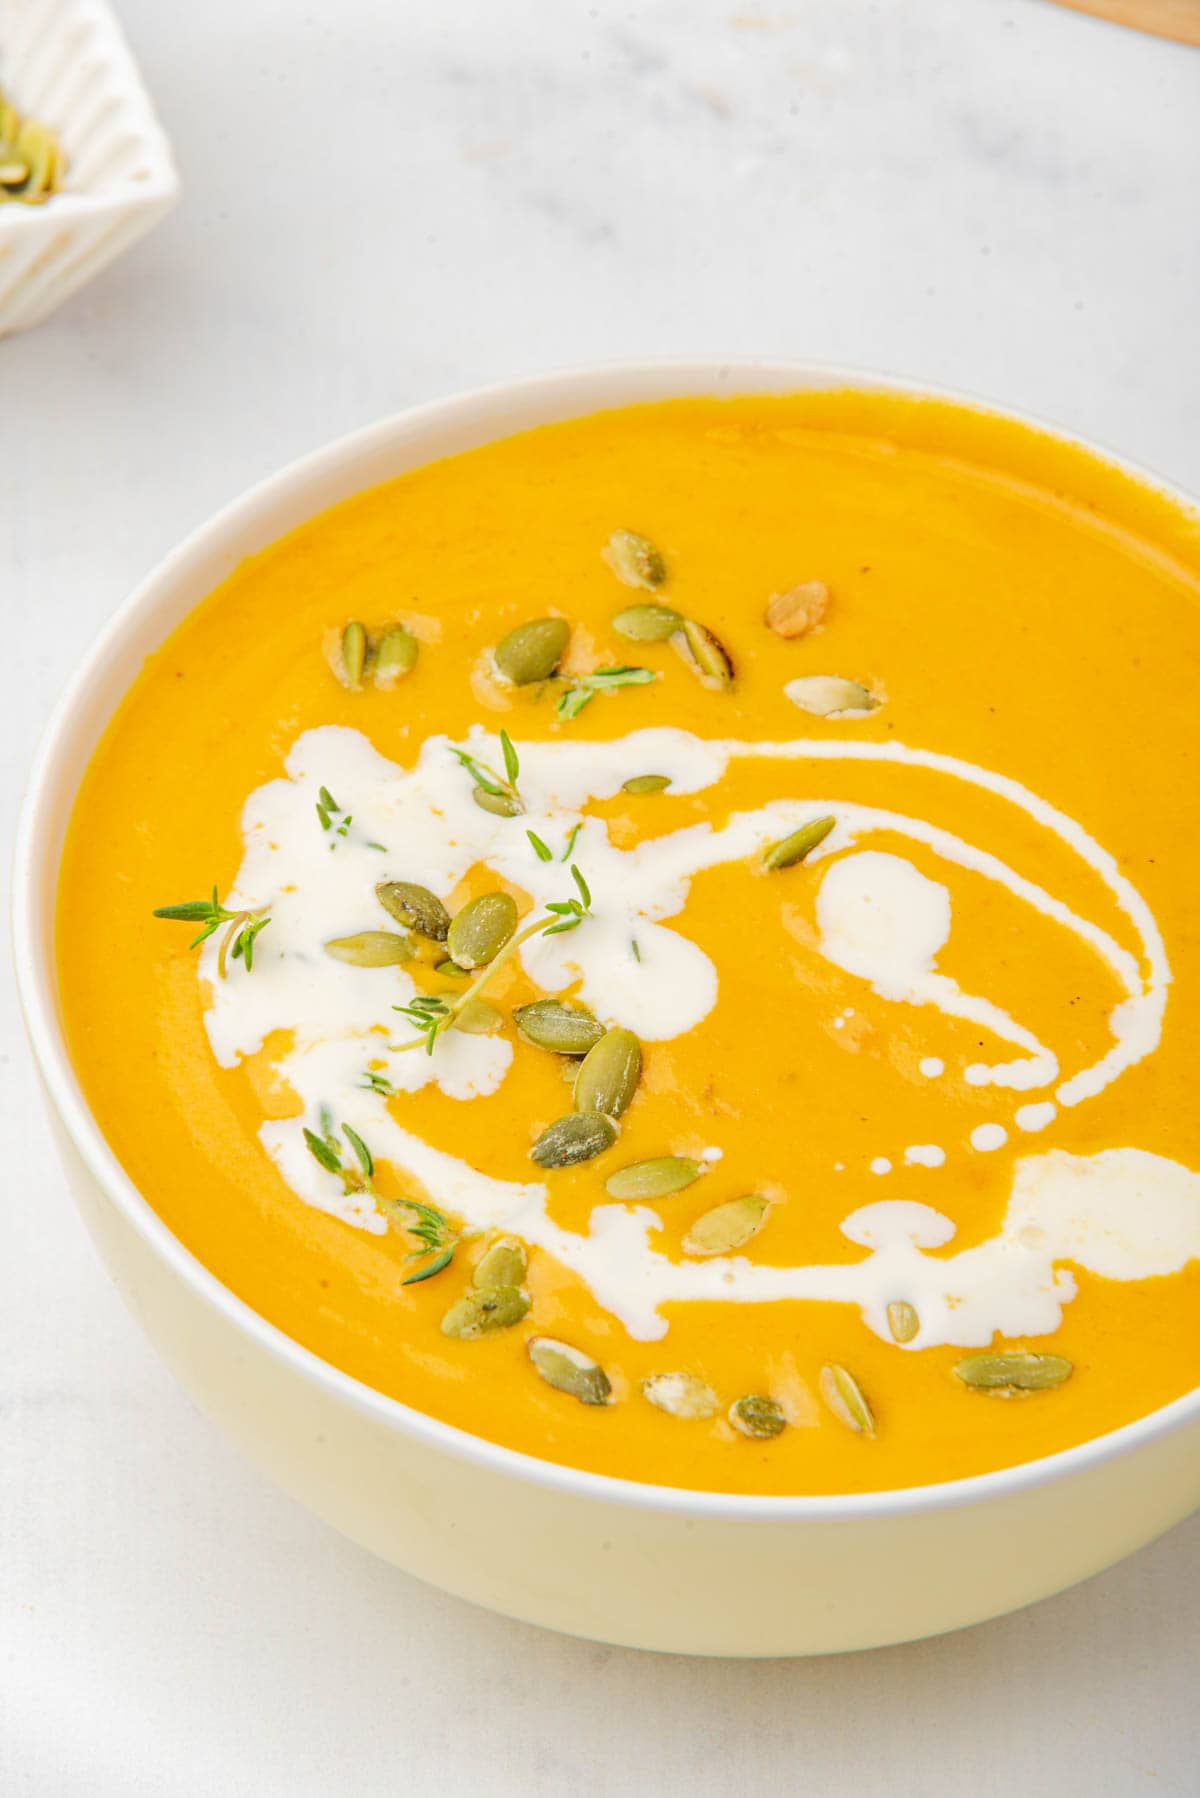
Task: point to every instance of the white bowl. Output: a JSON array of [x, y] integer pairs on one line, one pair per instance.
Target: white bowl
[[648, 1566], [65, 63]]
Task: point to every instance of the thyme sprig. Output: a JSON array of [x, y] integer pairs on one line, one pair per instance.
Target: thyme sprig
[[238, 940], [583, 688], [434, 1013], [375, 1082], [489, 780], [328, 810], [431, 1228]]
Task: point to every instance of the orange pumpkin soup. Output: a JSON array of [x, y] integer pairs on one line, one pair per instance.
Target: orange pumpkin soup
[[675, 944]]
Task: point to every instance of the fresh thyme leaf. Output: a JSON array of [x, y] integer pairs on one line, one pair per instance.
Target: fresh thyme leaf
[[604, 679], [633, 944], [382, 847], [375, 1082], [572, 702], [194, 911], [433, 1267], [543, 853], [326, 798], [582, 884], [361, 1150], [575, 830], [512, 766], [321, 1152]]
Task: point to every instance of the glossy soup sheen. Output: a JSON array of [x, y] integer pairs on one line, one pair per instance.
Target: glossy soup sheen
[[1017, 605]]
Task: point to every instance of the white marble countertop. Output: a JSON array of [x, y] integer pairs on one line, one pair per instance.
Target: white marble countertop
[[385, 202]]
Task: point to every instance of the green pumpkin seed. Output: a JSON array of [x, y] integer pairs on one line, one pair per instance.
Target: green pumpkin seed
[[569, 1370], [727, 1227], [802, 842], [481, 929], [372, 949], [395, 656], [646, 783], [647, 624], [566, 1029], [451, 969], [842, 1394], [478, 1018], [680, 1395], [503, 1264], [757, 1416], [415, 907], [609, 1073], [580, 1136], [635, 560], [903, 1320], [532, 651], [484, 1309], [1014, 1371], [354, 654], [826, 695], [704, 654], [501, 805], [653, 1179]]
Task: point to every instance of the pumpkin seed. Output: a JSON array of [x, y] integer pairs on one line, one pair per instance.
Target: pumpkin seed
[[903, 1320], [680, 1395], [451, 969], [354, 654], [727, 1227], [704, 654], [653, 1179], [609, 1073], [13, 174], [635, 560], [503, 1264], [415, 907], [372, 949], [799, 610], [395, 656], [478, 1018], [569, 1370], [486, 1308], [580, 1136], [532, 651], [501, 805], [842, 1394], [827, 695], [481, 929], [647, 624], [646, 783], [549, 1024], [1014, 1371], [757, 1416], [802, 842]]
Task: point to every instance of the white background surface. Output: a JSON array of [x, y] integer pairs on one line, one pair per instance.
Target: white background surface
[[387, 200]]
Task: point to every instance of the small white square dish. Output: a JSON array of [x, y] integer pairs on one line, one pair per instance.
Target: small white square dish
[[66, 64]]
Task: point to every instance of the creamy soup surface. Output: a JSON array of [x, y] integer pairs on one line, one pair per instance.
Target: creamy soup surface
[[698, 975]]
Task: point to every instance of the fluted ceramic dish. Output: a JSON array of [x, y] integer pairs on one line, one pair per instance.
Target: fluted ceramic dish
[[649, 1566], [66, 64]]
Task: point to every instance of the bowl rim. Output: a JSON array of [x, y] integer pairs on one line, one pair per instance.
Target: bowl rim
[[599, 387]]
